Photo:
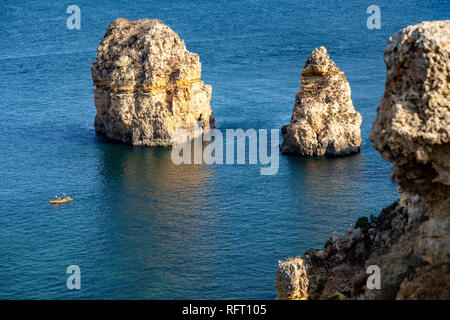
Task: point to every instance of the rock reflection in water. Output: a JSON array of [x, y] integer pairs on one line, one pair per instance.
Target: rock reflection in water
[[160, 218]]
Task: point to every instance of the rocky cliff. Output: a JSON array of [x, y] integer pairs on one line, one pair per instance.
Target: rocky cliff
[[148, 85], [324, 121], [409, 240]]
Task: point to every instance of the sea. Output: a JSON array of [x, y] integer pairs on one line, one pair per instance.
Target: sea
[[142, 227]]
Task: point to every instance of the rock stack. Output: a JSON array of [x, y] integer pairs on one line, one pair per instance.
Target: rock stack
[[410, 240], [324, 121], [148, 85]]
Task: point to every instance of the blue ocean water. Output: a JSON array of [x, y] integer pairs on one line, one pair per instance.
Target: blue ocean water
[[142, 227]]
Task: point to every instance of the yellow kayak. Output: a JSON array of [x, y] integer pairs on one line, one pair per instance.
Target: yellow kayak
[[60, 201]]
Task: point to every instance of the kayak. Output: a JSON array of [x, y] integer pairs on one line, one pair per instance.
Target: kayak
[[60, 201]]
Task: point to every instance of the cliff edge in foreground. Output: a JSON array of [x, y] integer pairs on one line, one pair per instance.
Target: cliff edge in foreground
[[409, 241], [148, 85], [324, 121]]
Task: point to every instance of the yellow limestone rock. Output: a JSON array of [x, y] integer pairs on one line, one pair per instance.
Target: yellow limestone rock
[[324, 121], [291, 280], [148, 85], [412, 130]]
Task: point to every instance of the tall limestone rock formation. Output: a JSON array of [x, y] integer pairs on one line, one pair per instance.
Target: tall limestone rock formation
[[410, 240], [148, 85], [324, 121], [412, 130]]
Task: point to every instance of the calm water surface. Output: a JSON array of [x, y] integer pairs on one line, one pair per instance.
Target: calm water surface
[[140, 226]]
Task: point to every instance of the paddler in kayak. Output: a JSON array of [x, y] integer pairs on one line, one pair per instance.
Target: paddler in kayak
[[59, 200]]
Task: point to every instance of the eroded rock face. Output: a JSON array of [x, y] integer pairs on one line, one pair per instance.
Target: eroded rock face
[[148, 85], [340, 267], [324, 121], [412, 128], [292, 280], [410, 240]]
